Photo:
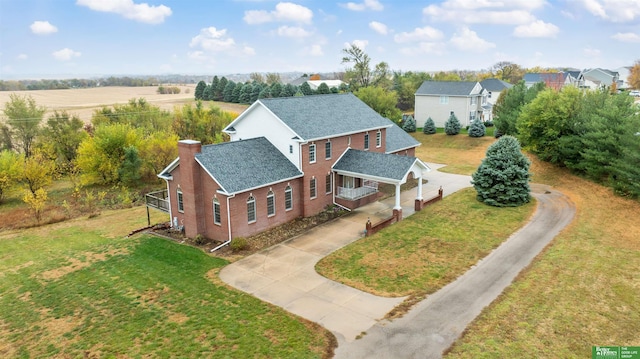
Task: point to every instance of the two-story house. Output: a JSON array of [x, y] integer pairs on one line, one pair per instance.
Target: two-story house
[[287, 158], [438, 99]]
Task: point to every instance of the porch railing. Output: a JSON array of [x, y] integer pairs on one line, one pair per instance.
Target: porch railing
[[158, 200], [368, 187]]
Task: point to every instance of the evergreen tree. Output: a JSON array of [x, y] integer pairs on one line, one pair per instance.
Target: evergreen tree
[[207, 94], [227, 94], [255, 91], [235, 95], [218, 94], [200, 90], [502, 180], [276, 89], [288, 90], [452, 126], [477, 129], [429, 127], [409, 124], [245, 93], [129, 171], [214, 85], [265, 93], [323, 89], [306, 89]]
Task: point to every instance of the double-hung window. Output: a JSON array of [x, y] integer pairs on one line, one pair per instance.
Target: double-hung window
[[312, 153], [444, 100], [366, 141], [271, 204], [312, 187], [378, 138], [216, 211], [251, 209], [180, 201], [327, 150], [288, 198], [328, 184]]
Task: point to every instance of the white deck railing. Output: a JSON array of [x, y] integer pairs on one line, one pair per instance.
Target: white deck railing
[[368, 187]]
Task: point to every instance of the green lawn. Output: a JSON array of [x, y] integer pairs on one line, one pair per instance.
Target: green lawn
[[69, 291], [427, 250]]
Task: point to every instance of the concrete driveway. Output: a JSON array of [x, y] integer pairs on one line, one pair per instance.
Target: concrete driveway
[[285, 274]]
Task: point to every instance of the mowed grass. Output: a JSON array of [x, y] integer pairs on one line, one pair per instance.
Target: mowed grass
[[427, 250], [582, 291], [462, 154], [81, 289]]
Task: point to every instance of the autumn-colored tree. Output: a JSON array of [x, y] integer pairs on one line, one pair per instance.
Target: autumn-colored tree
[[314, 77], [157, 151], [36, 202], [10, 170], [634, 76], [38, 171], [24, 117], [508, 71]]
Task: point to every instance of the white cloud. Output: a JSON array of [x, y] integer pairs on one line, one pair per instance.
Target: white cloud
[[365, 5], [512, 12], [43, 28], [537, 28], [362, 44], [627, 37], [65, 54], [591, 52], [293, 32], [316, 50], [247, 50], [284, 12], [22, 57], [142, 12], [426, 33], [212, 39], [338, 32], [378, 27], [468, 40], [613, 10]]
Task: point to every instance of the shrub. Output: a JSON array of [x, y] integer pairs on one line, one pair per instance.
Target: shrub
[[238, 244], [488, 123], [477, 129], [200, 239], [429, 127], [452, 126], [409, 124], [502, 180]]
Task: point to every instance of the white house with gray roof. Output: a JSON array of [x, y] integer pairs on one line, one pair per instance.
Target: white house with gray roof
[[287, 158], [438, 99]]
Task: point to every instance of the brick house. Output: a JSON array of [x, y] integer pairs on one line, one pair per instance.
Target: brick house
[[287, 158]]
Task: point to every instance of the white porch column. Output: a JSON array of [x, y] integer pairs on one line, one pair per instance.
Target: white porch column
[[419, 186], [397, 206]]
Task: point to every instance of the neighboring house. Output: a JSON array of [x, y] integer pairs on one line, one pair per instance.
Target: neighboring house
[[438, 99], [493, 88], [314, 84], [554, 80], [623, 77], [287, 158], [598, 78]]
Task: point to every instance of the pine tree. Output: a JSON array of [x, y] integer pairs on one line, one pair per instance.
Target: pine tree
[[502, 180], [429, 127], [477, 129], [409, 124], [207, 95], [218, 93], [129, 171], [306, 89], [200, 87], [452, 126], [227, 94]]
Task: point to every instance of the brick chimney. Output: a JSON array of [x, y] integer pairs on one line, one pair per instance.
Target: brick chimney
[[190, 183]]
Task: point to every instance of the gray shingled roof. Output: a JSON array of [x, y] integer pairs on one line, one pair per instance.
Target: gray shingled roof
[[322, 116], [246, 164], [450, 88], [398, 139], [392, 167], [495, 85]]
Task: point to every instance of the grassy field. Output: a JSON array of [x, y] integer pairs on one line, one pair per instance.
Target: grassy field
[[83, 102], [81, 289], [581, 291], [461, 153], [427, 250]]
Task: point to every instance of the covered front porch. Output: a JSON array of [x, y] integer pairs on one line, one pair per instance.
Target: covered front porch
[[358, 174]]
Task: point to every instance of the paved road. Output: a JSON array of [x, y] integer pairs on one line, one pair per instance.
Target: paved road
[[435, 323]]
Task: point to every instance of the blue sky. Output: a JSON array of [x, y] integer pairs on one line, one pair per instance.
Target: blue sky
[[75, 38]]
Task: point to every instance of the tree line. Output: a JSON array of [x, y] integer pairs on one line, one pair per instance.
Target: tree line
[[124, 145], [55, 84], [596, 134]]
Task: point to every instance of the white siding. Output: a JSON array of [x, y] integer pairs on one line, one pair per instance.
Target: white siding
[[429, 106], [262, 123]]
